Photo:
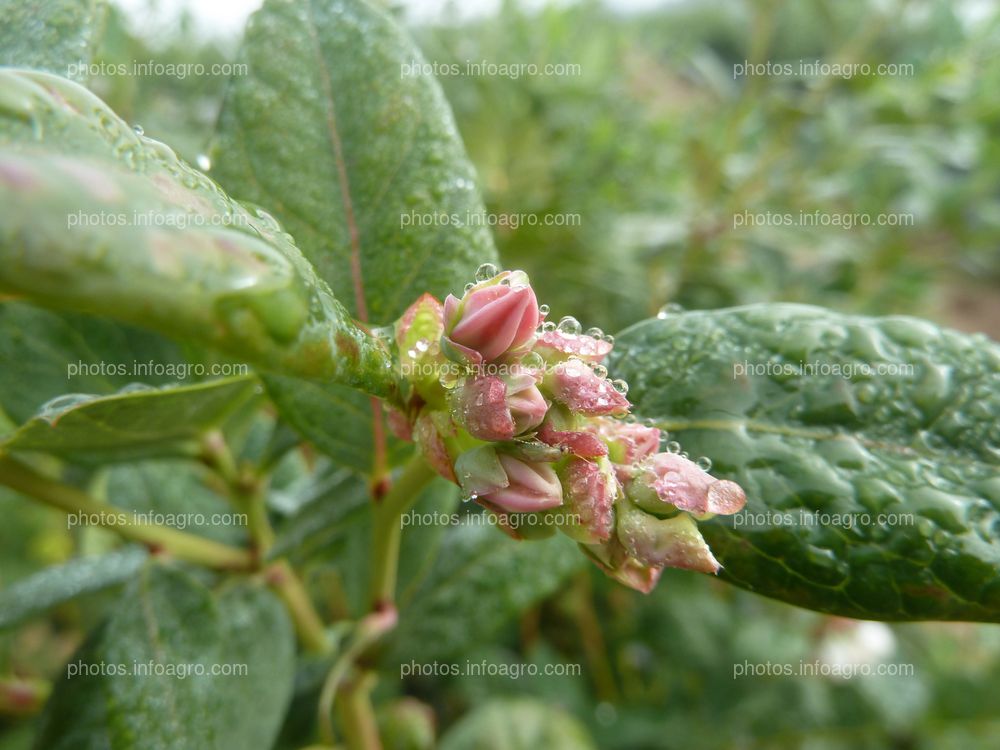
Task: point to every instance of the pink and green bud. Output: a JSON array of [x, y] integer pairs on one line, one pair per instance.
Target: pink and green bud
[[672, 542], [494, 408], [418, 335], [583, 444], [429, 432], [557, 346], [583, 391], [628, 443], [666, 481], [493, 318], [589, 490], [518, 487], [616, 563]]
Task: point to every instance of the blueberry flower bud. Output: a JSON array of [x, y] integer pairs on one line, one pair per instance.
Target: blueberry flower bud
[[674, 542], [531, 486], [491, 319], [494, 408], [583, 391], [666, 481], [590, 489]]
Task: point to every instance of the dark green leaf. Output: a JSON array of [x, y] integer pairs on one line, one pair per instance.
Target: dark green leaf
[[873, 478], [136, 423], [327, 128], [59, 583], [480, 579], [169, 624], [98, 218], [46, 354], [54, 35]]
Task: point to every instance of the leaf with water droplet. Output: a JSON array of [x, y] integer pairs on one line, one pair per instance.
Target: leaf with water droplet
[[839, 417]]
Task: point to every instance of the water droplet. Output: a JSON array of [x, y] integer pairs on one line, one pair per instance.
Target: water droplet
[[595, 332], [704, 463], [569, 325], [138, 129], [600, 371], [532, 361], [667, 310], [548, 326], [621, 386], [486, 271], [609, 338], [422, 345], [203, 162], [469, 286], [543, 310], [673, 446]]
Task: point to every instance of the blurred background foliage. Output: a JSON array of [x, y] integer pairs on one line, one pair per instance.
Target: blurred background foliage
[[657, 146]]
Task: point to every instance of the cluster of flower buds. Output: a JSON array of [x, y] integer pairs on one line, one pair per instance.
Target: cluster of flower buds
[[519, 412]]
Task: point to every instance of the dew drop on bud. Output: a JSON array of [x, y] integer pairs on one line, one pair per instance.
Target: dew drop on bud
[[600, 371], [543, 309], [569, 325], [548, 326], [673, 447], [595, 332], [138, 129], [532, 361], [609, 338], [469, 286], [203, 162], [486, 271], [422, 345], [621, 386], [704, 463]]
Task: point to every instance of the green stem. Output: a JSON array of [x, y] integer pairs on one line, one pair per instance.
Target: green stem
[[245, 487], [286, 584], [388, 531], [358, 716], [369, 630], [195, 549]]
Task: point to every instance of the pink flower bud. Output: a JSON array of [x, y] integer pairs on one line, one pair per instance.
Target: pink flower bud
[[556, 346], [531, 486], [583, 391], [583, 444], [628, 443], [590, 489], [674, 542], [492, 318], [493, 408], [670, 479], [614, 560]]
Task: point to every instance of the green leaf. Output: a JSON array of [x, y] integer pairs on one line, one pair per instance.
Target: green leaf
[[517, 724], [327, 128], [54, 35], [45, 354], [100, 219], [169, 624], [890, 441], [480, 579], [132, 424], [60, 583]]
